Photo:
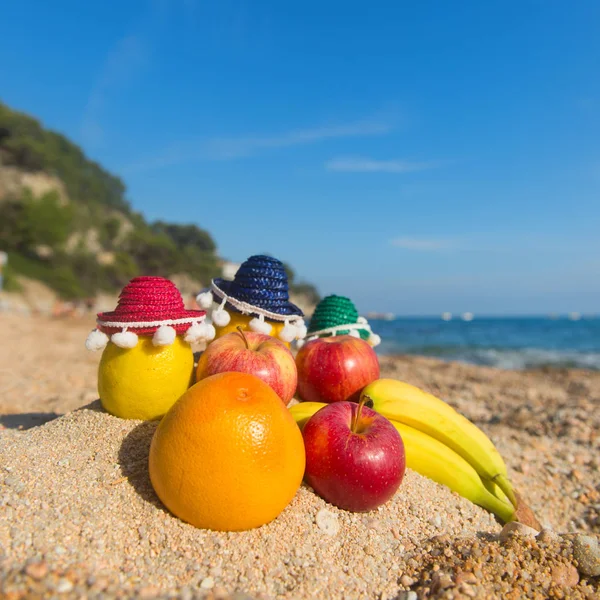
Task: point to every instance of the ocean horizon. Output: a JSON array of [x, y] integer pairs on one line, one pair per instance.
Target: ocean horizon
[[507, 342]]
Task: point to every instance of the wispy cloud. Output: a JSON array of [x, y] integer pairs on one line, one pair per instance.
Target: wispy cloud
[[229, 148], [370, 165], [123, 59], [423, 244], [239, 147]]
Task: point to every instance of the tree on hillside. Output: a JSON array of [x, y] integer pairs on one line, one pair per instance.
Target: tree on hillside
[[186, 235], [155, 254], [30, 222], [27, 145]]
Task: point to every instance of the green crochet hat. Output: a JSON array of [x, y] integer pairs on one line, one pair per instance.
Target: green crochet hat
[[337, 315]]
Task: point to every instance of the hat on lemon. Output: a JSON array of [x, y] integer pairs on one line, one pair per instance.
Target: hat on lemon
[[337, 315], [149, 306], [259, 288]]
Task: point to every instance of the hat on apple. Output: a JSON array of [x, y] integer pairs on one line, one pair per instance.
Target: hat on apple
[[337, 315], [260, 288]]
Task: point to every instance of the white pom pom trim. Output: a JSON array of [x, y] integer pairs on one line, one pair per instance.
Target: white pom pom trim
[[124, 339], [300, 329], [193, 333], [199, 333], [205, 299], [374, 339], [299, 343], [288, 333], [260, 325], [97, 340], [352, 329], [220, 317], [164, 336], [210, 332]]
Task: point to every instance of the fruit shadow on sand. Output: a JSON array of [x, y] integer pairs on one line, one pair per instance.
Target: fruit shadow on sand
[[23, 421], [133, 460]]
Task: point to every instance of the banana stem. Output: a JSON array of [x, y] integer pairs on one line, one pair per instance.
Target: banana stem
[[504, 484]]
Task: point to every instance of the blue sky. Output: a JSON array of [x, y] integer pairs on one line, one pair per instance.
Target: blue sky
[[416, 156]]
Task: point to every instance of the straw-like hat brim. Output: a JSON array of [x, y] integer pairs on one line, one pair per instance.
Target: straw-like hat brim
[[280, 313], [114, 321]]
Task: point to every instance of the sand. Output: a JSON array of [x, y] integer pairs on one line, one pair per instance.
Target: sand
[[79, 518]]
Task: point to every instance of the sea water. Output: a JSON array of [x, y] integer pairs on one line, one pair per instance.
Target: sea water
[[509, 343]]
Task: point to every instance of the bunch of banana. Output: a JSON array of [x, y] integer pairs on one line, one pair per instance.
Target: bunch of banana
[[439, 443]]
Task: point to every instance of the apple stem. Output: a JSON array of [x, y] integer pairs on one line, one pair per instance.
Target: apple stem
[[356, 418], [243, 336]]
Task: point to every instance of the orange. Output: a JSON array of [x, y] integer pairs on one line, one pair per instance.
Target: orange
[[239, 320], [228, 455]]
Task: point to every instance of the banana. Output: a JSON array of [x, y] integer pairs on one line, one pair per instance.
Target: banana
[[407, 404], [303, 411], [491, 487], [431, 458]]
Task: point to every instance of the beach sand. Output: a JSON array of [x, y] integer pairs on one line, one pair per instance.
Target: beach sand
[[79, 518]]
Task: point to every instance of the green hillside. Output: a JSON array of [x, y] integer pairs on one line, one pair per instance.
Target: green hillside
[[87, 239]]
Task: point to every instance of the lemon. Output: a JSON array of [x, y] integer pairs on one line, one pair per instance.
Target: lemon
[[145, 381], [239, 320]]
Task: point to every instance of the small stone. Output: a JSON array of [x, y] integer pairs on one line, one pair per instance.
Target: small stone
[[465, 577], [208, 583], [374, 524], [436, 521], [63, 462], [327, 522], [467, 590], [577, 475], [547, 535], [404, 595], [441, 581], [565, 575], [516, 527], [37, 570], [64, 586], [407, 581], [587, 555]]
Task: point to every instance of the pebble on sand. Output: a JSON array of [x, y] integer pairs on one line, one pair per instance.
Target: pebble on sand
[[587, 554], [516, 527]]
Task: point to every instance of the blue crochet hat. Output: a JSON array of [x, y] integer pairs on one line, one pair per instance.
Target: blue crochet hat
[[259, 288]]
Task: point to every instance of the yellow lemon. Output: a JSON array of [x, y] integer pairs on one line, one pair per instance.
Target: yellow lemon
[[239, 320], [145, 381]]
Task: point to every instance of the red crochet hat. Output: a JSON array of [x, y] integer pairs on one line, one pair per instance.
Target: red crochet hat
[[149, 306]]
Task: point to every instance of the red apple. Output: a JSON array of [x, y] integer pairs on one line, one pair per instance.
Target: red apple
[[256, 353], [336, 368], [354, 456]]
